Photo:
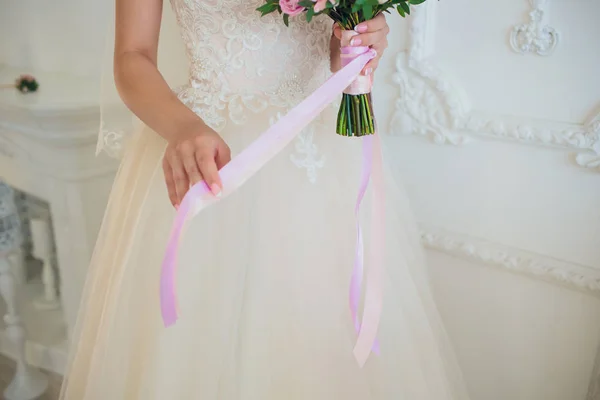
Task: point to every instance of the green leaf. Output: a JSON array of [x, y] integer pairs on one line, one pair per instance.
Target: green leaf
[[267, 8], [286, 19], [405, 7], [310, 14], [368, 11], [416, 2], [401, 11], [306, 3]]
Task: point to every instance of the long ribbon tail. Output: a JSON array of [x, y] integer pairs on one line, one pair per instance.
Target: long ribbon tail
[[246, 164], [367, 330], [168, 299], [356, 280], [359, 259]]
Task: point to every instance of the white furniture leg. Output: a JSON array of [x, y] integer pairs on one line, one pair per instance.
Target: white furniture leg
[[28, 383], [42, 249]]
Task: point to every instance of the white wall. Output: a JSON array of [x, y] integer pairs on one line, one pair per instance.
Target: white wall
[[57, 35], [512, 212], [516, 338], [500, 154], [74, 36]]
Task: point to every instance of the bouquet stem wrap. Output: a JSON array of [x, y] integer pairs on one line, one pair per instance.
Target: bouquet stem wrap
[[355, 117], [255, 156], [362, 84]]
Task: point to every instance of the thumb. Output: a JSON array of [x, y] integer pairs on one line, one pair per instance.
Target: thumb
[[337, 31]]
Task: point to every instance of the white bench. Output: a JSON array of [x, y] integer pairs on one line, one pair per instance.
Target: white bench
[[47, 145]]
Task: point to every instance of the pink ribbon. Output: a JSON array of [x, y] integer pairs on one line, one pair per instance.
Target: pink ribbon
[[362, 84], [367, 331], [254, 157]]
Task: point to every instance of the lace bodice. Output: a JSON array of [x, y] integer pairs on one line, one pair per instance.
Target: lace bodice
[[241, 62]]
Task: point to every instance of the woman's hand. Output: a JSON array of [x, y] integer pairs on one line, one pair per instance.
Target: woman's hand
[[197, 154], [372, 33]]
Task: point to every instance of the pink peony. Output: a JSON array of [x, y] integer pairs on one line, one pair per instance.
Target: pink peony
[[290, 7]]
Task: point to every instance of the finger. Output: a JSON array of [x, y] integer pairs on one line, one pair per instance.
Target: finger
[[375, 24], [368, 39], [168, 172], [210, 172], [223, 157], [337, 31], [182, 183], [371, 67], [190, 165], [374, 63]]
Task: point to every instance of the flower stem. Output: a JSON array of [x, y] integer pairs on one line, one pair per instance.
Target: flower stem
[[355, 117]]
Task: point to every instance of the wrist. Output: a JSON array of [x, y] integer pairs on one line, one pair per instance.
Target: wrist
[[334, 52], [188, 128]]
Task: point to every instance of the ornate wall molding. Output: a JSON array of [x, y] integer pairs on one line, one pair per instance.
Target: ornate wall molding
[[574, 276], [534, 37], [432, 105]]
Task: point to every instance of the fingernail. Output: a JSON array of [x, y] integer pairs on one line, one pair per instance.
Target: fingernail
[[368, 71], [355, 42], [360, 28], [215, 189], [177, 207]]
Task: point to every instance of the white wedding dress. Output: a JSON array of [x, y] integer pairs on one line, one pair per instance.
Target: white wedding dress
[[263, 275]]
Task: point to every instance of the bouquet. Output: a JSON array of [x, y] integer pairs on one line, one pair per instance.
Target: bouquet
[[355, 117]]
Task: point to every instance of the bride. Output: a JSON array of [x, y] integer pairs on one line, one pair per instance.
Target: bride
[[263, 275]]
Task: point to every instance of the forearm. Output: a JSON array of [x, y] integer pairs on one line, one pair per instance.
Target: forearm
[[148, 96], [335, 51]]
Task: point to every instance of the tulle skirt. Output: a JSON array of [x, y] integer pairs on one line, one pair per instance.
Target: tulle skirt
[[262, 283]]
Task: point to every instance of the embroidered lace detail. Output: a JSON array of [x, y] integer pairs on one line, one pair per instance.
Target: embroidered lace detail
[[110, 142], [240, 62], [306, 154]]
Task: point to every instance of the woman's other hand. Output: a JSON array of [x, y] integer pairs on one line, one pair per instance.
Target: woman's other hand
[[372, 33], [195, 154]]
